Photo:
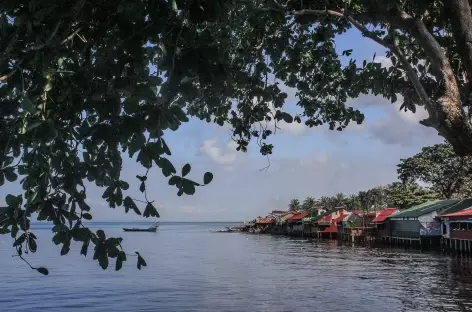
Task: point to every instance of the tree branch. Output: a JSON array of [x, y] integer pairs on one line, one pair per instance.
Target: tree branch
[[369, 34], [40, 46], [459, 12]]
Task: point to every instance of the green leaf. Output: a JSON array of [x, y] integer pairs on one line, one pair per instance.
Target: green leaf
[[12, 201], [87, 216], [166, 166], [142, 187], [188, 187], [207, 178], [101, 235], [43, 271], [150, 211], [144, 158], [119, 263], [128, 203], [154, 81], [84, 249], [103, 258], [2, 178], [179, 113], [20, 240], [287, 117], [14, 230], [141, 262], [32, 245], [145, 92], [27, 106], [10, 174], [174, 180], [186, 169], [48, 87], [165, 147], [65, 248], [124, 185]]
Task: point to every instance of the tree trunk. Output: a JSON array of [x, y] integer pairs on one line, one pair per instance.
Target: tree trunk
[[445, 113], [452, 123]]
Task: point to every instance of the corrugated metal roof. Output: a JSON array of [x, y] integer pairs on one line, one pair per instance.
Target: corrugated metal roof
[[333, 228], [423, 209], [298, 216], [264, 220], [463, 213], [461, 205], [384, 214]]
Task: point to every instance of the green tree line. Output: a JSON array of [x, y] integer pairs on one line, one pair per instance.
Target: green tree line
[[434, 173]]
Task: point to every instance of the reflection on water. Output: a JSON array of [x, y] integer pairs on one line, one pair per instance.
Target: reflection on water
[[192, 269]]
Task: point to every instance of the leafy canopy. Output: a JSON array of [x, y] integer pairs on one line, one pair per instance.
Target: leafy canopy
[[83, 82], [438, 166]]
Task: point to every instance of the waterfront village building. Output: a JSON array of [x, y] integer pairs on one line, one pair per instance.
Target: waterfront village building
[[457, 230], [421, 222], [446, 223]]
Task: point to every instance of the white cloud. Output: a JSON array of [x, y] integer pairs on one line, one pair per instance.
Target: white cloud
[[410, 117], [221, 155], [403, 128], [383, 60]]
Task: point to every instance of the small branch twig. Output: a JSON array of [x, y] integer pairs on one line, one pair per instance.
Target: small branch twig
[[71, 35], [40, 46]]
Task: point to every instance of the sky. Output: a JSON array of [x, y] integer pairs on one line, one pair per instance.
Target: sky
[[305, 162]]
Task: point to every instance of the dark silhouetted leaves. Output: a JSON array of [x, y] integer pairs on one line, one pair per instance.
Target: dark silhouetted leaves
[[150, 211], [129, 204], [186, 169], [43, 271], [140, 262], [207, 177], [87, 216]]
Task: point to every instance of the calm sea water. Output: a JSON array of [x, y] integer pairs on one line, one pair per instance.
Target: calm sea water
[[192, 269]]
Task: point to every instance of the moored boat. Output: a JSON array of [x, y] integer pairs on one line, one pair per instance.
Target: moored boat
[[152, 228]]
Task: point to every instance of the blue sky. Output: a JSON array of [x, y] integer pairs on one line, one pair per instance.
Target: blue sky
[[306, 162]]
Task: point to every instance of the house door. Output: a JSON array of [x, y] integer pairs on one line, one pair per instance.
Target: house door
[[444, 229]]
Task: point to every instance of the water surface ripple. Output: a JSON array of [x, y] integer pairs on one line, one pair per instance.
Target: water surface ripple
[[191, 269]]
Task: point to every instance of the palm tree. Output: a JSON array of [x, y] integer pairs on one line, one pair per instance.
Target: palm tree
[[308, 204], [325, 202], [364, 200], [339, 200], [352, 202], [294, 205]]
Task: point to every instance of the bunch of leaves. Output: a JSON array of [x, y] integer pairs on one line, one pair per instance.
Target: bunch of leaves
[[439, 167], [77, 93], [294, 205], [84, 82], [406, 195]]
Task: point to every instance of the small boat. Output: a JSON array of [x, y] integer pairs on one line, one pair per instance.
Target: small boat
[[152, 228]]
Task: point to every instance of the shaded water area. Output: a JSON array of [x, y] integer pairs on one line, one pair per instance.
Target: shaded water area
[[192, 269]]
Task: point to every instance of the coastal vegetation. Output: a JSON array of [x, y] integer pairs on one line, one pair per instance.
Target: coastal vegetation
[[442, 174], [83, 84]]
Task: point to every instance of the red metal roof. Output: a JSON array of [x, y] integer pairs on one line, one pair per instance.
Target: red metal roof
[[326, 218], [384, 214], [333, 228], [463, 213], [329, 218], [264, 220], [298, 216]]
